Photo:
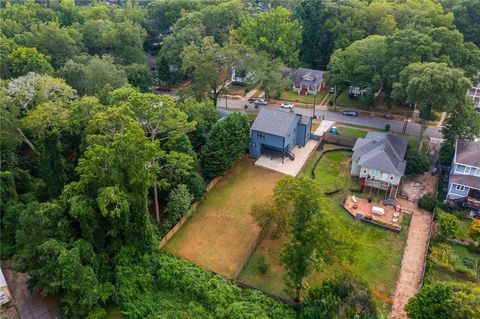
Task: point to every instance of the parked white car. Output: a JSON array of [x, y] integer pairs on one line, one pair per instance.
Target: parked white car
[[286, 105]]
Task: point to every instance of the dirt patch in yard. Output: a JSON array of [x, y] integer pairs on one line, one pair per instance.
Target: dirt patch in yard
[[221, 232]]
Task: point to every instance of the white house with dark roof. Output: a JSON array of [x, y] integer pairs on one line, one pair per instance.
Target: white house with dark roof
[[379, 161], [474, 93], [464, 180], [306, 81]]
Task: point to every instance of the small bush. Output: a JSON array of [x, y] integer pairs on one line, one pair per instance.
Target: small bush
[[427, 202], [447, 223], [417, 163], [263, 264], [387, 127]]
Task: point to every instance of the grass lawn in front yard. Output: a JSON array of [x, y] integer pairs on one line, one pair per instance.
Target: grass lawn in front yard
[[221, 231], [235, 90], [351, 131], [289, 95], [343, 100], [377, 254]]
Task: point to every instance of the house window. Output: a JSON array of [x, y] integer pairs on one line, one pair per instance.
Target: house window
[[261, 136], [460, 168], [477, 172], [460, 188], [253, 145]]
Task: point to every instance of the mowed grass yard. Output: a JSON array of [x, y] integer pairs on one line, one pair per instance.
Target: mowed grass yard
[[377, 253], [221, 231]]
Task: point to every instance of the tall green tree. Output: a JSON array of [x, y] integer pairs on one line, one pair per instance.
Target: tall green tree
[[343, 297], [24, 60], [186, 31], [431, 87], [274, 32], [316, 47], [210, 65], [360, 64], [140, 76], [266, 73], [178, 203], [463, 123], [162, 121], [122, 40], [90, 75], [311, 234], [225, 144], [445, 301], [51, 39], [467, 17]]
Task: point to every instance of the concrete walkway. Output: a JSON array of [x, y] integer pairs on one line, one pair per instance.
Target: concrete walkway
[[413, 260]]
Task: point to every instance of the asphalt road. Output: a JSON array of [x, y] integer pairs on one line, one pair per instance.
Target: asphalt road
[[368, 121]]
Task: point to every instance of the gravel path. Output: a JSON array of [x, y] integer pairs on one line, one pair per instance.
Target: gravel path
[[412, 263]]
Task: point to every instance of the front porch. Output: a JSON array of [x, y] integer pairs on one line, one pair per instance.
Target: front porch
[[306, 90]]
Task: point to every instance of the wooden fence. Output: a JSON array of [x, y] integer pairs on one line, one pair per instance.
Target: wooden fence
[[339, 139], [185, 217]]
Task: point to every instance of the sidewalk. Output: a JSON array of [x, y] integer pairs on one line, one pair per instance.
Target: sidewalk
[[413, 261]]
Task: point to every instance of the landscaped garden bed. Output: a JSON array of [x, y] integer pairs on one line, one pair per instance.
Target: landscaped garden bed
[[449, 260]]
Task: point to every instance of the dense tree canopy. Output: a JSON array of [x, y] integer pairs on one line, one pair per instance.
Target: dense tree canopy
[[273, 32]]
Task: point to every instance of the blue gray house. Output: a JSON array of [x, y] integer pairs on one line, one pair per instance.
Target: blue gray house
[[276, 132], [464, 180]]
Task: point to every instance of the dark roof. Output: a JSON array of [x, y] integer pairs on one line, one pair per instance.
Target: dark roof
[[466, 180], [306, 77], [468, 153], [382, 151], [274, 121]]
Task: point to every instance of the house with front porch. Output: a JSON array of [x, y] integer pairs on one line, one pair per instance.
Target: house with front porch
[[464, 179], [379, 161], [306, 81], [276, 132]]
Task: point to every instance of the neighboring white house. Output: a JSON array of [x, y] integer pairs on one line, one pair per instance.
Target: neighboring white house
[[306, 81], [464, 180], [474, 93], [5, 295], [379, 161]]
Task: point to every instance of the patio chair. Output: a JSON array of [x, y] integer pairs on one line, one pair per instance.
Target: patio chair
[[395, 219]]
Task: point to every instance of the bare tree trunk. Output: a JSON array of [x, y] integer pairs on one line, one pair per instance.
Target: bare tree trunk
[[155, 195], [423, 128], [26, 140]]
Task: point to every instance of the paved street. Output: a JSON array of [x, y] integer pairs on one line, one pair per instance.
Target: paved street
[[374, 122]]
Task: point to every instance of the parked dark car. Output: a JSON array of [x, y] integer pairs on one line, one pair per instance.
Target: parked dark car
[[350, 113], [261, 102], [331, 90]]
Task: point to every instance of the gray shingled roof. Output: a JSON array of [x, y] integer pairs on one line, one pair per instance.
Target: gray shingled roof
[[466, 180], [303, 76], [382, 151], [275, 122], [468, 153]]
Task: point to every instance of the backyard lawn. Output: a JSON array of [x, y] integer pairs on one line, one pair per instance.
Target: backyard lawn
[[221, 231], [377, 253]]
